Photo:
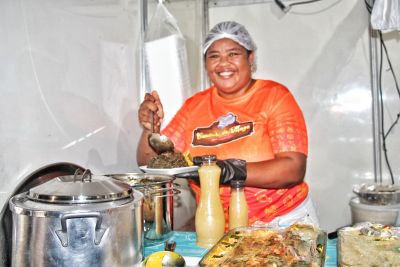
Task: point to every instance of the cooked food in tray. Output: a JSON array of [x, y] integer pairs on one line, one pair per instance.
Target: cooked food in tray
[[297, 245], [368, 244]]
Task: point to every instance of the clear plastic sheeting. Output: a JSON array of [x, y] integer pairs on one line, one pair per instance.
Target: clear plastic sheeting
[[385, 15], [166, 61], [67, 86]]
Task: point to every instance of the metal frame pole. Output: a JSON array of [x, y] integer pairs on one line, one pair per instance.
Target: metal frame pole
[[143, 27], [205, 82], [376, 104]]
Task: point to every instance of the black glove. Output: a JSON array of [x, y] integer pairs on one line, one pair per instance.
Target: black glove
[[231, 169]]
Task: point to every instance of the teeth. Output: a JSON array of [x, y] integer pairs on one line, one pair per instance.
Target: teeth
[[226, 73]]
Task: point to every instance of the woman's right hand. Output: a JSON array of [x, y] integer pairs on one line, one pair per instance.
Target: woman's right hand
[[151, 103]]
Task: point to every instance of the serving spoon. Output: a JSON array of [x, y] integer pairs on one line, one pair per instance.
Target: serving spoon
[[160, 143]]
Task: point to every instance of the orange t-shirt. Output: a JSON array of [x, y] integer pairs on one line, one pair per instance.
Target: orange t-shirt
[[253, 127]]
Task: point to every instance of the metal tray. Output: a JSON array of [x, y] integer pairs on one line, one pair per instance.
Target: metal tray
[[369, 244], [297, 245]]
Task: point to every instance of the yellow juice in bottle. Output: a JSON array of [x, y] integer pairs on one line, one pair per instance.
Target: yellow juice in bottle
[[238, 208], [210, 219]]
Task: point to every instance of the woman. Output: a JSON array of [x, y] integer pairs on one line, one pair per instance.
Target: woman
[[255, 128]]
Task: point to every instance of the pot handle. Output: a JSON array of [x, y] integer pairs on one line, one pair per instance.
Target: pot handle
[[164, 192], [63, 235]]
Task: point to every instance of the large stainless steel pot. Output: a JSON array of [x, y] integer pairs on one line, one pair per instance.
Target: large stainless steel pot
[[158, 206], [35, 178], [78, 221]]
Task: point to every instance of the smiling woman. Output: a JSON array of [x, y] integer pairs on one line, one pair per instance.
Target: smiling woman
[[254, 127]]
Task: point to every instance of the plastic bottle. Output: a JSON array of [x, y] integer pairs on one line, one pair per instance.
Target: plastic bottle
[[238, 209], [210, 219]]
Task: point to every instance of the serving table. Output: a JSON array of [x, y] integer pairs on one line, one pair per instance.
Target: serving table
[[186, 246]]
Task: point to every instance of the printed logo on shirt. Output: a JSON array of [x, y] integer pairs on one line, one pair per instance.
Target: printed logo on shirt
[[226, 129]]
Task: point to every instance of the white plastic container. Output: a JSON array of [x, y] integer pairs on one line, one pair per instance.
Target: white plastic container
[[384, 214]]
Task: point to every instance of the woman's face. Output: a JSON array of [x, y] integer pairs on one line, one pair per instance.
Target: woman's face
[[228, 65]]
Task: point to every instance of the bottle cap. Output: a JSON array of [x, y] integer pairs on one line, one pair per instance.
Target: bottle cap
[[208, 158], [237, 183]]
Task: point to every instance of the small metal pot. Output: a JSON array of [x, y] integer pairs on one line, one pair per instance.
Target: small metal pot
[[78, 221], [158, 206]]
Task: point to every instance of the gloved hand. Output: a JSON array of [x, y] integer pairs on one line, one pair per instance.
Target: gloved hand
[[231, 169]]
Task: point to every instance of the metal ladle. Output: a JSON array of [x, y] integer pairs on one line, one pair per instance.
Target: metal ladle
[[160, 143]]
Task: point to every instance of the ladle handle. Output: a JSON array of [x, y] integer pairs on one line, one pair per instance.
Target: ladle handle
[[152, 121]]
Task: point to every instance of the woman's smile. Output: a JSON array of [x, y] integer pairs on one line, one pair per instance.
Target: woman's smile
[[226, 74]]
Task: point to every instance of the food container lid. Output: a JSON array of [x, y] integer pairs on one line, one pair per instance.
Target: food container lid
[[80, 189]]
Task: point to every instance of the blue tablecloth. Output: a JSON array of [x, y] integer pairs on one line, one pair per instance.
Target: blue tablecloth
[[186, 246]]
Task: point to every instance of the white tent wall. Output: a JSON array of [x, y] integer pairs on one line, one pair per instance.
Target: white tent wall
[[69, 86], [320, 51]]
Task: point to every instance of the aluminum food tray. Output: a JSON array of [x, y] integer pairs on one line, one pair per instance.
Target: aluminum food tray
[[369, 244], [297, 245]]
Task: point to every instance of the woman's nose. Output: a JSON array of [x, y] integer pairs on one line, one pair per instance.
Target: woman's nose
[[223, 60]]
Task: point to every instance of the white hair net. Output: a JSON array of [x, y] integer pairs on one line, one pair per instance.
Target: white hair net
[[231, 30]]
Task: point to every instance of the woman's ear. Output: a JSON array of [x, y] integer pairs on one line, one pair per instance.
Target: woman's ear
[[252, 62], [251, 58]]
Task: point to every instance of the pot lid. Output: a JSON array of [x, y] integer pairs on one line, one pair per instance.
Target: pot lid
[[80, 189]]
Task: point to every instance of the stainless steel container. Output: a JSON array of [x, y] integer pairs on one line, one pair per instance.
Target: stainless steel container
[[378, 194], [384, 214], [158, 206], [78, 221]]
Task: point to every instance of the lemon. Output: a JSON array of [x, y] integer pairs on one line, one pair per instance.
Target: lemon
[[155, 259], [164, 259]]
